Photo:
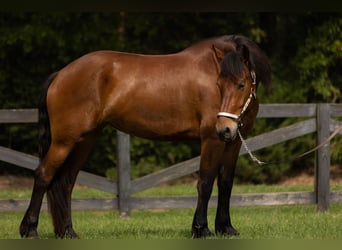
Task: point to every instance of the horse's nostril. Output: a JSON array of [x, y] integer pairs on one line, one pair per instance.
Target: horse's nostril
[[225, 134], [227, 131]]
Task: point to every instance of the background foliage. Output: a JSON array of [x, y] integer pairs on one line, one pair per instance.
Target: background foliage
[[305, 50]]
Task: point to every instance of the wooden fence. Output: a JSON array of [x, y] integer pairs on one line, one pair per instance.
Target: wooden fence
[[319, 120]]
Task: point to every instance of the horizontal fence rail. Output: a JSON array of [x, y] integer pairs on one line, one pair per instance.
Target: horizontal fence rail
[[320, 120]]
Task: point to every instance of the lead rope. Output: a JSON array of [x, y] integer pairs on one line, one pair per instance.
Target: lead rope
[[249, 151], [336, 131]]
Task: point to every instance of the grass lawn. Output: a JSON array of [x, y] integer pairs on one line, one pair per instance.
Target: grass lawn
[[272, 222], [278, 222]]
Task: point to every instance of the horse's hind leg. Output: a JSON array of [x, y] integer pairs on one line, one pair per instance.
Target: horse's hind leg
[[59, 192], [42, 179]]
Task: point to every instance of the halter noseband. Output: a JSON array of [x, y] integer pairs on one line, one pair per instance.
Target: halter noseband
[[235, 117]]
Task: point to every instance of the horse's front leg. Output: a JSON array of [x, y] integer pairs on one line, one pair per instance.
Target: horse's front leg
[[210, 154], [223, 223], [200, 222]]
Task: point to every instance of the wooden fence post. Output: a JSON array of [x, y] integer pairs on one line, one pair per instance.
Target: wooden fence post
[[123, 168], [322, 167]]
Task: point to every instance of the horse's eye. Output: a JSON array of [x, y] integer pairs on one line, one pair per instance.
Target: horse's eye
[[241, 85]]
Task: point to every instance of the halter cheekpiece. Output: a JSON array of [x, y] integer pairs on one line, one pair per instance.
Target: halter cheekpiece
[[235, 117]]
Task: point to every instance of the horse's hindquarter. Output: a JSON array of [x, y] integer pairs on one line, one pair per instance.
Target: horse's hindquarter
[[158, 97]]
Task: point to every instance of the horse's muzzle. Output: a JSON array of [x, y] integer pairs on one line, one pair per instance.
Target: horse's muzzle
[[226, 134]]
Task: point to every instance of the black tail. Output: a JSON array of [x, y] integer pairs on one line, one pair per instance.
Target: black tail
[[44, 137]]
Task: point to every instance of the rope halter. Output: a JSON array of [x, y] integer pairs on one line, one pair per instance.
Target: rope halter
[[235, 117]]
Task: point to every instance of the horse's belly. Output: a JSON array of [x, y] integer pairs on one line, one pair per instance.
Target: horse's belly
[[157, 126]]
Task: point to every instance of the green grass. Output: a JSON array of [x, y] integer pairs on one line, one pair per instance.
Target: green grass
[[272, 222], [278, 222]]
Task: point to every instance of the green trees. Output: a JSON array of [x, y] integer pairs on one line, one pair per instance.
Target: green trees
[[304, 50], [306, 56], [320, 61]]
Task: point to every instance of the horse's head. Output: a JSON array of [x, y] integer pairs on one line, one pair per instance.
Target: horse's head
[[237, 85]]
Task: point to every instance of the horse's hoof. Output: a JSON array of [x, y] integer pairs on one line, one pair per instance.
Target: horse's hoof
[[69, 233], [227, 231], [29, 233], [201, 232]]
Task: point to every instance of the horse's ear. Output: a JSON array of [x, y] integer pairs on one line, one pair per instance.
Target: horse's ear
[[244, 52], [219, 53]]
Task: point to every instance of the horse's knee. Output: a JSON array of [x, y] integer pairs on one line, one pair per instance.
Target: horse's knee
[[205, 186]]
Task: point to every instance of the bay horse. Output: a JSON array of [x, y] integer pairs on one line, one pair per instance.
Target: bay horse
[[207, 92]]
